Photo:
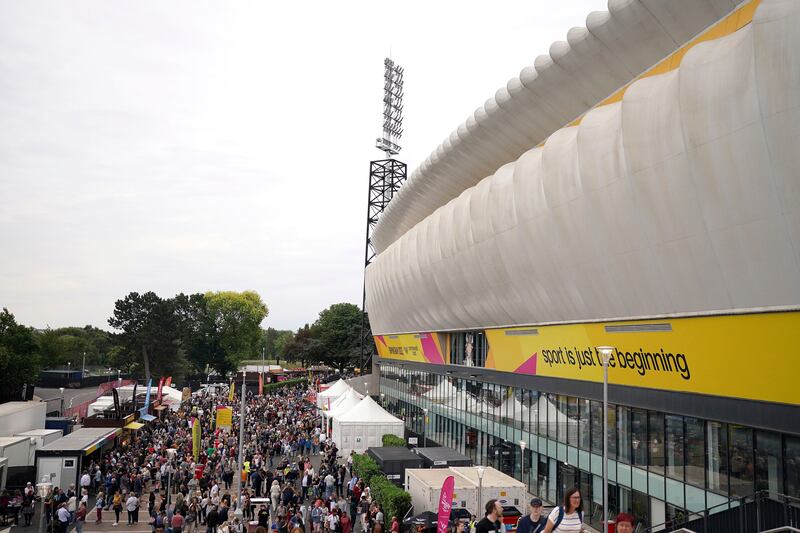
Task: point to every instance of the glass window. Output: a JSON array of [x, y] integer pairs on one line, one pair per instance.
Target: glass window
[[597, 427], [533, 413], [717, 457], [791, 455], [584, 427], [552, 417], [639, 437], [572, 421], [741, 463], [612, 431], [674, 446], [656, 442], [624, 434], [769, 466], [695, 443], [562, 418]]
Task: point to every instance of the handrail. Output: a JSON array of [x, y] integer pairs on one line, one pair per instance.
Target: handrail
[[756, 496], [782, 529]]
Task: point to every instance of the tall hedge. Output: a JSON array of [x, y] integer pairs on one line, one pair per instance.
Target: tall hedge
[[394, 500], [393, 441]]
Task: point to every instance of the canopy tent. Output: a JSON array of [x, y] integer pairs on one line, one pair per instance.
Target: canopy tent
[[363, 426], [343, 403], [442, 392], [329, 395]]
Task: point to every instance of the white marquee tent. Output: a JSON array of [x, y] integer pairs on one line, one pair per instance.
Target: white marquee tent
[[349, 399], [363, 426], [329, 395]]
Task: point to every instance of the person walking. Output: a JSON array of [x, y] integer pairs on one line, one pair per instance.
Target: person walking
[[117, 506], [80, 518], [132, 506], [491, 519], [567, 518], [98, 507], [212, 520], [533, 522]]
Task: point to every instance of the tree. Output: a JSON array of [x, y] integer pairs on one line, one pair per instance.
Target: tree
[[274, 339], [19, 357], [60, 346], [339, 329], [237, 318], [149, 327], [198, 334], [304, 346]]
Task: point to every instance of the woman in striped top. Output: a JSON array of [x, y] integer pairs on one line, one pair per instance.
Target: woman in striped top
[[567, 518]]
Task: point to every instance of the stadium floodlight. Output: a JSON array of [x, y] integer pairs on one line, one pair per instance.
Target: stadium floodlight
[[392, 108]]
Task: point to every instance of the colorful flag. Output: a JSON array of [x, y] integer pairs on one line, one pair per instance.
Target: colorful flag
[[260, 384], [168, 382], [445, 503], [231, 392], [160, 386]]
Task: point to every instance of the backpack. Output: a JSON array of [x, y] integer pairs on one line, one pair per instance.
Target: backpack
[[561, 517]]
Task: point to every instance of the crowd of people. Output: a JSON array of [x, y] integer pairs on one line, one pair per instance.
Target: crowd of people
[[292, 481]]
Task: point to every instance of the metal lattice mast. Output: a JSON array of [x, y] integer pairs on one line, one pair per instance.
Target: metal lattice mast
[[385, 178]]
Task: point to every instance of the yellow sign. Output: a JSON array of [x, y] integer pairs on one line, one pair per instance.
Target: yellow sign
[[196, 439], [231, 391], [224, 417], [740, 356]]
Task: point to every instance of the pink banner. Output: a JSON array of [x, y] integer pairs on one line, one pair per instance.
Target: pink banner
[[445, 502]]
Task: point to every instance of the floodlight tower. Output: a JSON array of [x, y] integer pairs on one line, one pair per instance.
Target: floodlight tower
[[385, 177]]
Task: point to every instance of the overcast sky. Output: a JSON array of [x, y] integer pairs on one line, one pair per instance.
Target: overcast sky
[[188, 146]]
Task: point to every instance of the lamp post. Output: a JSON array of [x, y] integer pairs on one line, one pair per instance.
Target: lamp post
[[61, 390], [171, 452], [522, 445], [83, 366], [43, 490], [605, 354], [424, 426], [480, 471]]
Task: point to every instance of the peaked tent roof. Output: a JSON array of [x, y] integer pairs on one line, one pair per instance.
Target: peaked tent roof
[[337, 389], [346, 401], [514, 408], [368, 411]]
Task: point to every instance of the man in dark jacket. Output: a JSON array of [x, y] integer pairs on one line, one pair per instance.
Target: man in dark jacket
[[534, 522], [212, 520]]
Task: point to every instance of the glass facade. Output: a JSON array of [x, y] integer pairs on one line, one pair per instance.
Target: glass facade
[[661, 465]]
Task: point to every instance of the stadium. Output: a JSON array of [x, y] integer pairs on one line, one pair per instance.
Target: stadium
[[638, 188]]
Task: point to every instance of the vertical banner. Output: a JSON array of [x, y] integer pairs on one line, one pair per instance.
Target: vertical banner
[[260, 384], [160, 386], [147, 395], [168, 382], [196, 439], [224, 417], [445, 503], [231, 392], [133, 397]]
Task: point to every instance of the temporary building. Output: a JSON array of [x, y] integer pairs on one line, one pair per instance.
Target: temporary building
[[394, 460], [441, 457], [63, 460], [16, 417], [329, 395], [442, 392], [363, 426]]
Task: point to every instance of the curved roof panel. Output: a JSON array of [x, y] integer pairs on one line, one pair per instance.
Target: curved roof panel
[[594, 61]]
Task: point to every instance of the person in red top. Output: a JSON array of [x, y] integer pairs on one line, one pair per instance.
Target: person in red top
[[344, 523], [177, 523]]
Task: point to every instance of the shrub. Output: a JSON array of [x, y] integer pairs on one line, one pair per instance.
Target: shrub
[[366, 468], [394, 500], [393, 440]]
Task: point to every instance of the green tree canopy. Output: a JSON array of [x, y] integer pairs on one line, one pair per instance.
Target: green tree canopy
[[237, 318], [19, 357], [59, 346], [339, 330]]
